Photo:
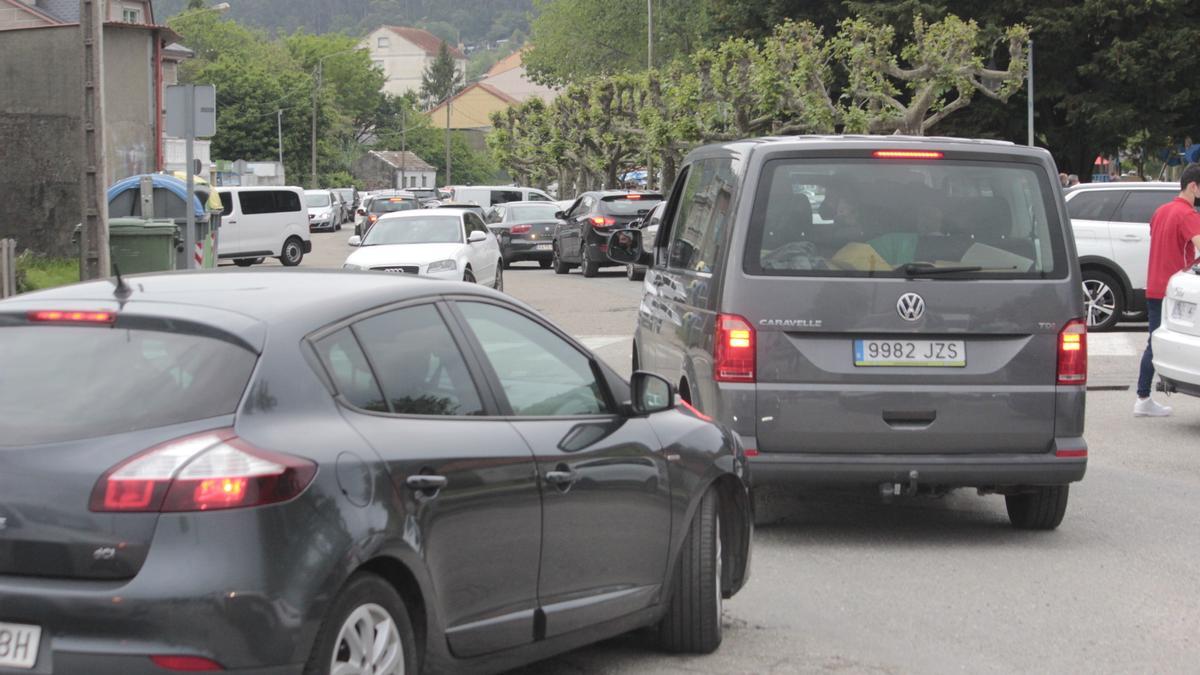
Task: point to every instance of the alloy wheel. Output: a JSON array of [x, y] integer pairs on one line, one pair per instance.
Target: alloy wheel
[[368, 644], [1100, 302]]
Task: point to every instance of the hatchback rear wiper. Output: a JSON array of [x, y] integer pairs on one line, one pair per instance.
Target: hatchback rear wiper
[[920, 269]]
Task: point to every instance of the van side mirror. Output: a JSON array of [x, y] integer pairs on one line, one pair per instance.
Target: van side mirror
[[625, 247], [651, 393], [559, 215], [355, 241]]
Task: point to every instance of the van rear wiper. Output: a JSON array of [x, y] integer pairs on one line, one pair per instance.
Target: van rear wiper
[[921, 269]]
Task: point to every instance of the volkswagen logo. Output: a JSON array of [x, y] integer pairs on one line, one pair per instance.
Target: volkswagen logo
[[910, 307]]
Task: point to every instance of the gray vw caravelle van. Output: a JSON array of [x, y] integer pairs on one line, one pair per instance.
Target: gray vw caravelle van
[[882, 310]]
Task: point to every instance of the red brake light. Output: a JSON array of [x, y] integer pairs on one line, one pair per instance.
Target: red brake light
[[634, 196], [734, 354], [601, 221], [57, 316], [520, 229], [372, 218], [907, 154], [189, 664], [206, 471], [1072, 353]]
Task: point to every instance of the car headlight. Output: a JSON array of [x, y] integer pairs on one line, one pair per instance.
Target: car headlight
[[442, 266]]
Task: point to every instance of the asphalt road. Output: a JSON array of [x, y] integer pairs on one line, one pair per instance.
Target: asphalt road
[[845, 582]]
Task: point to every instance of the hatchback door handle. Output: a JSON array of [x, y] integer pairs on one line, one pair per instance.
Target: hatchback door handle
[[562, 476], [425, 482]]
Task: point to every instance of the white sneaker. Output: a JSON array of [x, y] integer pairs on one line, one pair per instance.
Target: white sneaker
[[1148, 407]]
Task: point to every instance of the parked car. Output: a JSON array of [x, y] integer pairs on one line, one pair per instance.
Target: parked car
[[447, 244], [473, 208], [581, 237], [262, 471], [383, 203], [649, 227], [526, 230], [324, 210], [349, 198], [1177, 341], [263, 222], [491, 195], [424, 195], [922, 330], [1112, 232]]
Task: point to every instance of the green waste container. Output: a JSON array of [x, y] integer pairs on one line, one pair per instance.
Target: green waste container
[[138, 245]]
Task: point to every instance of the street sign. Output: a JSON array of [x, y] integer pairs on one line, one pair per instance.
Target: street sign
[[203, 110]]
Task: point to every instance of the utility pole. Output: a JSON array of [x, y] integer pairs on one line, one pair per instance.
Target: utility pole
[[316, 89], [93, 245], [649, 67], [403, 145], [448, 100], [1030, 110], [279, 131]]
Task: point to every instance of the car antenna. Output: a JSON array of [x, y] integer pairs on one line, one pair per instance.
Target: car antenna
[[122, 291]]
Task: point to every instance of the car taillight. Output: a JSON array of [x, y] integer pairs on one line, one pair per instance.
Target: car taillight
[[59, 316], [372, 218], [733, 356], [600, 222], [186, 664], [520, 229], [202, 472], [1072, 353]]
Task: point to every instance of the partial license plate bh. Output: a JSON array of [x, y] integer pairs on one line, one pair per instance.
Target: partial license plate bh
[[19, 645], [910, 353], [544, 247]]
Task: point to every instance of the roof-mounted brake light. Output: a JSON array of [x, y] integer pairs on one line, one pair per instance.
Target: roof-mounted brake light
[[68, 316], [907, 154]]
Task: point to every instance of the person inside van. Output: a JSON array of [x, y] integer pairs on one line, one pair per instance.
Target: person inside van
[[901, 248]]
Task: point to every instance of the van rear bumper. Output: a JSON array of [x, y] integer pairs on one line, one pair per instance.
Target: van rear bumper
[[942, 470]]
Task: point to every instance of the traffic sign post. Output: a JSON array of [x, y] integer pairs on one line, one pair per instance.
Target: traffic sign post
[[191, 112]]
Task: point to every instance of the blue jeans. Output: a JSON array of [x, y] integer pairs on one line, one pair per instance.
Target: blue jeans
[[1154, 315]]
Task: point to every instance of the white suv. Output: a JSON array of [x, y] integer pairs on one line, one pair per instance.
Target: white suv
[[1112, 234]]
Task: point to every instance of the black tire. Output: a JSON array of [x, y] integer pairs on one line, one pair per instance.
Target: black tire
[[545, 264], [337, 228], [1103, 300], [587, 266], [363, 590], [1040, 508], [498, 282], [469, 276], [636, 362], [560, 267], [292, 253], [244, 262], [632, 273], [692, 623], [506, 263]]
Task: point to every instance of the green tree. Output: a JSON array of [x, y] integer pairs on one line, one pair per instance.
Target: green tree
[[442, 78]]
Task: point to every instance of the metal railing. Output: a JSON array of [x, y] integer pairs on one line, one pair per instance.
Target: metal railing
[[8, 267]]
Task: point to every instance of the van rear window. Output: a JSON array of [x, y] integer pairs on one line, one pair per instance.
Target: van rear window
[[62, 383], [856, 218]]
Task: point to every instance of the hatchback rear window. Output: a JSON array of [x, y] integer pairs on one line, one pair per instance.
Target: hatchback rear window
[[629, 205], [393, 204], [63, 383], [857, 218]]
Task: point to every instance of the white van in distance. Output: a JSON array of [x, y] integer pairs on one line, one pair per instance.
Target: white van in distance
[[263, 222]]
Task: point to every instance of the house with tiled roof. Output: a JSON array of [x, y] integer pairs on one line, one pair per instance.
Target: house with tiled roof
[[404, 53], [509, 76]]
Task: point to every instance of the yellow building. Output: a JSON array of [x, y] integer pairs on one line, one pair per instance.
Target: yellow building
[[472, 108]]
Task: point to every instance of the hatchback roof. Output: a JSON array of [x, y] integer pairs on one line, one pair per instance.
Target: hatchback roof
[[1131, 185]]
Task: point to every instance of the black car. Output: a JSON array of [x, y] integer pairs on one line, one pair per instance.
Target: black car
[[581, 237], [375, 206], [526, 230], [285, 472]]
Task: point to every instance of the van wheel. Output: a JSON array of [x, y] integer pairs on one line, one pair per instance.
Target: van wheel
[[587, 266], [693, 620], [636, 361], [1039, 508], [685, 392], [293, 252], [244, 262], [632, 273], [368, 630], [498, 282], [560, 267], [1103, 300]]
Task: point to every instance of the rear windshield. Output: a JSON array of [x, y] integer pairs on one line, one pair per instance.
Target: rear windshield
[[64, 383], [622, 205], [393, 204], [854, 218], [532, 212]]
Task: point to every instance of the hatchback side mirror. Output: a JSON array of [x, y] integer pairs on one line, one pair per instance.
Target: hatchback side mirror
[[475, 236], [559, 215], [625, 247], [651, 393], [355, 241]]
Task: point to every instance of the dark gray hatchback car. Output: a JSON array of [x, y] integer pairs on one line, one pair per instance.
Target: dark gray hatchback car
[[903, 312], [285, 472]]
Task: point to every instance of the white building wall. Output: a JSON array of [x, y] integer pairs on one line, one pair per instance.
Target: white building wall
[[403, 63]]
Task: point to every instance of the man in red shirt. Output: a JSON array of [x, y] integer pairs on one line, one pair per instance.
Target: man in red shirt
[[1174, 240]]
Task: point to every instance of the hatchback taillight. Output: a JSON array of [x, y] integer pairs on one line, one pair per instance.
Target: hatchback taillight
[[734, 352], [520, 229], [202, 472], [1072, 353], [600, 222]]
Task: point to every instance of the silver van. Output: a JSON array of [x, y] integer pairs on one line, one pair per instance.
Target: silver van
[[903, 312]]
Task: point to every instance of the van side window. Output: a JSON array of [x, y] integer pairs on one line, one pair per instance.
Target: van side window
[[286, 201], [505, 196], [226, 202], [702, 216]]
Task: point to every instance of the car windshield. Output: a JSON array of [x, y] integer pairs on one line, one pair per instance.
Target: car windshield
[[629, 205], [423, 230], [62, 383], [393, 204], [531, 212], [316, 200], [891, 217]]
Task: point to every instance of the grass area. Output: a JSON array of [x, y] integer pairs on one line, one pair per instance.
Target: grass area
[[37, 272]]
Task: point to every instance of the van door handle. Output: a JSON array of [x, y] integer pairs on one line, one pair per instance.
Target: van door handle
[[909, 419], [230, 222], [1131, 237]]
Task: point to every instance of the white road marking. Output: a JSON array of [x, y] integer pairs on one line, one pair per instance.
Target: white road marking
[[1116, 344], [595, 342]]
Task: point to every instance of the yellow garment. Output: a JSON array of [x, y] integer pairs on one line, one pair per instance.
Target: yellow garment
[[860, 257]]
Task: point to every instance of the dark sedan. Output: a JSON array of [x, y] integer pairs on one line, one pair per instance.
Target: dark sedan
[[581, 237], [526, 230], [279, 472]]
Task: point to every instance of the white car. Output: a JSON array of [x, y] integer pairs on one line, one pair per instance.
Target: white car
[[446, 244], [1177, 341], [324, 210]]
